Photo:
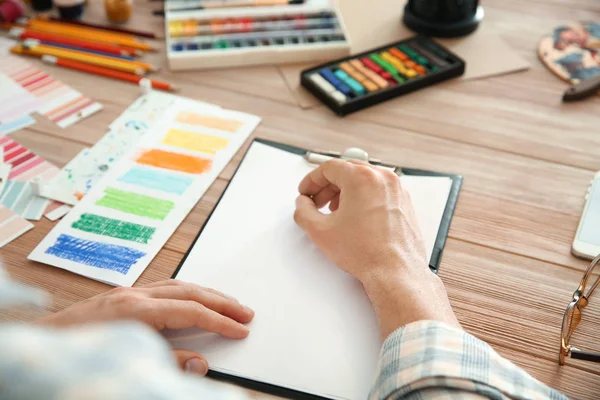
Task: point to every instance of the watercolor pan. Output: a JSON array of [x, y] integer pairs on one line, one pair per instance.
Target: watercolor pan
[[233, 37], [363, 80]]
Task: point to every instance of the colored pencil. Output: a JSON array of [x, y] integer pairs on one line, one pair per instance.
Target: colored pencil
[[77, 55], [87, 33], [109, 73], [211, 4], [41, 50], [99, 53], [111, 28], [22, 33]]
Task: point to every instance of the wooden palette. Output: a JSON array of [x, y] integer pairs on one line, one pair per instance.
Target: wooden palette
[[572, 52]]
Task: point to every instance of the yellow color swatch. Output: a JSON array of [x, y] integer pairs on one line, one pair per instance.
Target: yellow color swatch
[[194, 141], [222, 124]]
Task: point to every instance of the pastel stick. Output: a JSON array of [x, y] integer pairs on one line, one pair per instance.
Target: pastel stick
[[353, 83], [339, 85]]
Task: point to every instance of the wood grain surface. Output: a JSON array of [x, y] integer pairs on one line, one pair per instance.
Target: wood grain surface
[[527, 159]]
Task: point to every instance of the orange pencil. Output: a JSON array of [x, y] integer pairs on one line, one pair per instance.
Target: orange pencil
[[93, 69], [107, 62], [87, 33]]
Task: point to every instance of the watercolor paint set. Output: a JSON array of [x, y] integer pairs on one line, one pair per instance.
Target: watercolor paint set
[[232, 37], [363, 80]]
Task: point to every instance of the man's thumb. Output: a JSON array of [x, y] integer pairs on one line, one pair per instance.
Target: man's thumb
[[307, 216]]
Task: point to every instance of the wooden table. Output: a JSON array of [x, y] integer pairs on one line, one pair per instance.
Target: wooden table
[[527, 159]]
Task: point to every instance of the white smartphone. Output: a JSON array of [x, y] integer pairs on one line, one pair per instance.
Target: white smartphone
[[587, 239]]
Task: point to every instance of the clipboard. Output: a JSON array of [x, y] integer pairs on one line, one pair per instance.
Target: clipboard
[[433, 264]]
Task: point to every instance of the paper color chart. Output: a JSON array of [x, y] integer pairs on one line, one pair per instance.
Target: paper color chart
[[11, 226], [26, 165], [114, 232], [60, 103], [17, 193], [15, 100]]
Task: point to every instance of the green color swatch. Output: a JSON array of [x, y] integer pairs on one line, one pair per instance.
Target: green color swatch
[[114, 228], [136, 204]]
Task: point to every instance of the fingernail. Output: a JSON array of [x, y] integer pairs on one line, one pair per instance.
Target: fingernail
[[196, 366], [248, 309]]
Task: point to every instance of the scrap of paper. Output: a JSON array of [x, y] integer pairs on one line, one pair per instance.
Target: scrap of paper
[[11, 226], [15, 101], [59, 102], [4, 172], [25, 164], [118, 227], [58, 212], [19, 198], [16, 124]]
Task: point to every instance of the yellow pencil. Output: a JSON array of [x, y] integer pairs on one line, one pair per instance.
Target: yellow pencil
[[92, 59], [97, 35]]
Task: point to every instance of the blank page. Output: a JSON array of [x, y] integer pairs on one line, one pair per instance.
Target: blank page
[[314, 329]]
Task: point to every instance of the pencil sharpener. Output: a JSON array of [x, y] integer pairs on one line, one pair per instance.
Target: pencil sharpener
[[443, 18]]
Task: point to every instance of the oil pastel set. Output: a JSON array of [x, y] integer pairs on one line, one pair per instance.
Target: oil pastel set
[[117, 228], [229, 37], [362, 80]]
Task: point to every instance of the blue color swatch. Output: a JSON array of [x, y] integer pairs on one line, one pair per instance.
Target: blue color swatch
[[95, 254], [157, 180]]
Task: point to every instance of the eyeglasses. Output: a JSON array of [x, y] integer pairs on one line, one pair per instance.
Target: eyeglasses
[[572, 318]]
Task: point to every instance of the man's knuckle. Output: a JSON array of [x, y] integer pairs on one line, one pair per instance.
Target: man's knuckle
[[366, 174], [125, 296], [389, 175]]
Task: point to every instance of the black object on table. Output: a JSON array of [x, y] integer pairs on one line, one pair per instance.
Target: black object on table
[[443, 18]]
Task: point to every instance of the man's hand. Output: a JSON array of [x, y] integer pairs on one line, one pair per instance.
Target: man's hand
[[372, 233], [167, 304]]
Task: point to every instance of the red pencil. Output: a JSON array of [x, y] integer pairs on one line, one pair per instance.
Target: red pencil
[[110, 73], [23, 34]]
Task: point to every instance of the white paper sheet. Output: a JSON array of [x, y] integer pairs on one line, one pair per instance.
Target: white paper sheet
[[100, 251], [314, 328]]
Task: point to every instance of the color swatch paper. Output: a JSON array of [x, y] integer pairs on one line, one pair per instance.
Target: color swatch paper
[[15, 101], [18, 193], [80, 175], [16, 124], [19, 197], [26, 165], [117, 228], [52, 98], [11, 226]]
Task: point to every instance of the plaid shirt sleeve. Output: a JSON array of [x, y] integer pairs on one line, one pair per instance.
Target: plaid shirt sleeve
[[432, 360]]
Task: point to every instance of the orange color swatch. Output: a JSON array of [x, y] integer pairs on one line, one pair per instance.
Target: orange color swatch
[[228, 125], [194, 141], [174, 161]]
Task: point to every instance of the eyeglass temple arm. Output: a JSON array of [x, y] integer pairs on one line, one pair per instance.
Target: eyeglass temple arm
[[585, 355]]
